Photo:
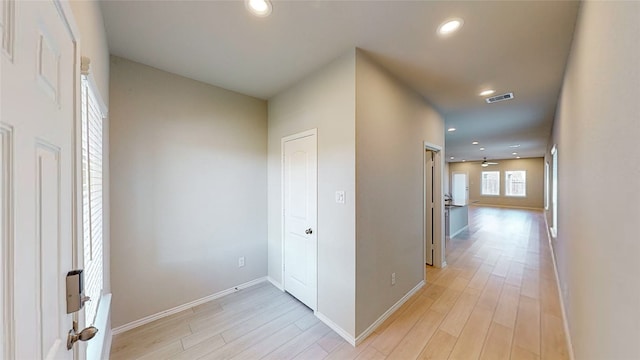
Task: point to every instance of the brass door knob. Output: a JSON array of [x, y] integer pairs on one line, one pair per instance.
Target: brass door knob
[[84, 335]]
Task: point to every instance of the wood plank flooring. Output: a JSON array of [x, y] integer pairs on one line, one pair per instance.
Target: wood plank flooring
[[496, 299]]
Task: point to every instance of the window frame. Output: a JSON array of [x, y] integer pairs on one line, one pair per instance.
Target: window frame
[[506, 184], [482, 183], [91, 104], [554, 192]]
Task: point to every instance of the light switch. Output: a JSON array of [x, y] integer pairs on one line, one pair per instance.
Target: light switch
[[340, 197]]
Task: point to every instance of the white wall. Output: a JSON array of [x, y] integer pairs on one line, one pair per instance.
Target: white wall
[[325, 100], [535, 182], [393, 122], [597, 131], [189, 195], [447, 179]]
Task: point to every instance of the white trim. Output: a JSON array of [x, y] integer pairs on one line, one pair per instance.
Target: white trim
[[303, 134], [97, 346], [439, 259], [106, 349], [388, 313], [565, 320], [335, 327], [478, 204], [177, 309], [8, 241], [275, 283], [451, 236]]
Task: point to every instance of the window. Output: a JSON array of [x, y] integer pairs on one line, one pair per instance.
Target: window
[[92, 199], [515, 183], [554, 191], [546, 185], [490, 183]]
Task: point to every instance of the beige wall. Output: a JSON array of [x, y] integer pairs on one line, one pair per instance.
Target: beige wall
[[597, 130], [392, 124], [93, 42], [326, 101], [189, 196], [535, 182]]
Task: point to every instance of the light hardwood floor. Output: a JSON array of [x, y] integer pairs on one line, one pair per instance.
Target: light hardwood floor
[[497, 299]]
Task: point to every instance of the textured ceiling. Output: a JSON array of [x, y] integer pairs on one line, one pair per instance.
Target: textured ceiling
[[516, 46]]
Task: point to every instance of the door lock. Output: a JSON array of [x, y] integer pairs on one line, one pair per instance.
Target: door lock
[[308, 231], [84, 335]]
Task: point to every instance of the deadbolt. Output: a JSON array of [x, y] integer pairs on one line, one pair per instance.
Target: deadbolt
[[308, 231], [84, 335]]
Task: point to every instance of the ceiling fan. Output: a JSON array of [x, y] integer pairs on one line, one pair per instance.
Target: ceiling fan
[[485, 163]]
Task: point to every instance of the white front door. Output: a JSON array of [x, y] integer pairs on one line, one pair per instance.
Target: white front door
[[460, 187], [429, 206], [300, 217], [39, 80]]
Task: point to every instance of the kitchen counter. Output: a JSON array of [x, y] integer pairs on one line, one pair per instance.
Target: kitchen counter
[[456, 219]]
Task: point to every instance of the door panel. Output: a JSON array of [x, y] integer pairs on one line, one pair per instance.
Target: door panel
[[429, 207], [38, 104], [460, 185], [300, 209]]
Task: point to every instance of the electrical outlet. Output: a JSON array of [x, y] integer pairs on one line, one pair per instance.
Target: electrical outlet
[[393, 278], [241, 261]]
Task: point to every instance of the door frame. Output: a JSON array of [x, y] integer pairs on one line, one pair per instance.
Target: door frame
[[439, 260], [310, 132]]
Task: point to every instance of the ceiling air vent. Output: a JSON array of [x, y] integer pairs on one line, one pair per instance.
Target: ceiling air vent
[[502, 97]]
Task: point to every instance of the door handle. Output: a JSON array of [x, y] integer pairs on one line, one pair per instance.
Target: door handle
[[84, 335], [308, 231]]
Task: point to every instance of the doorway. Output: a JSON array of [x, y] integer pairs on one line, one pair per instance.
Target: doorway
[[299, 201], [460, 188], [433, 206]]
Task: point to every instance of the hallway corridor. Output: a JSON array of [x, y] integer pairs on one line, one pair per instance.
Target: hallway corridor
[[496, 299]]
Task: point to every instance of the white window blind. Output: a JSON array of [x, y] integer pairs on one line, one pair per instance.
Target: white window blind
[[92, 199], [490, 183], [516, 183]]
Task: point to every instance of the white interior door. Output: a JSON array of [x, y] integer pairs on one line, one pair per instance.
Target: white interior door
[[460, 185], [300, 217], [429, 206], [38, 102]]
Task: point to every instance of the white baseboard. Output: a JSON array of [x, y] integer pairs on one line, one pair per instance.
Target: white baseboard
[[335, 327], [507, 206], [562, 307], [177, 309], [388, 313], [275, 283]]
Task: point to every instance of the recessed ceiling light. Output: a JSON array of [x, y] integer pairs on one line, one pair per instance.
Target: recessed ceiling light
[[260, 8], [452, 158], [475, 143], [517, 157], [481, 149], [514, 146], [463, 160], [487, 92], [450, 26], [514, 153], [451, 129]]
